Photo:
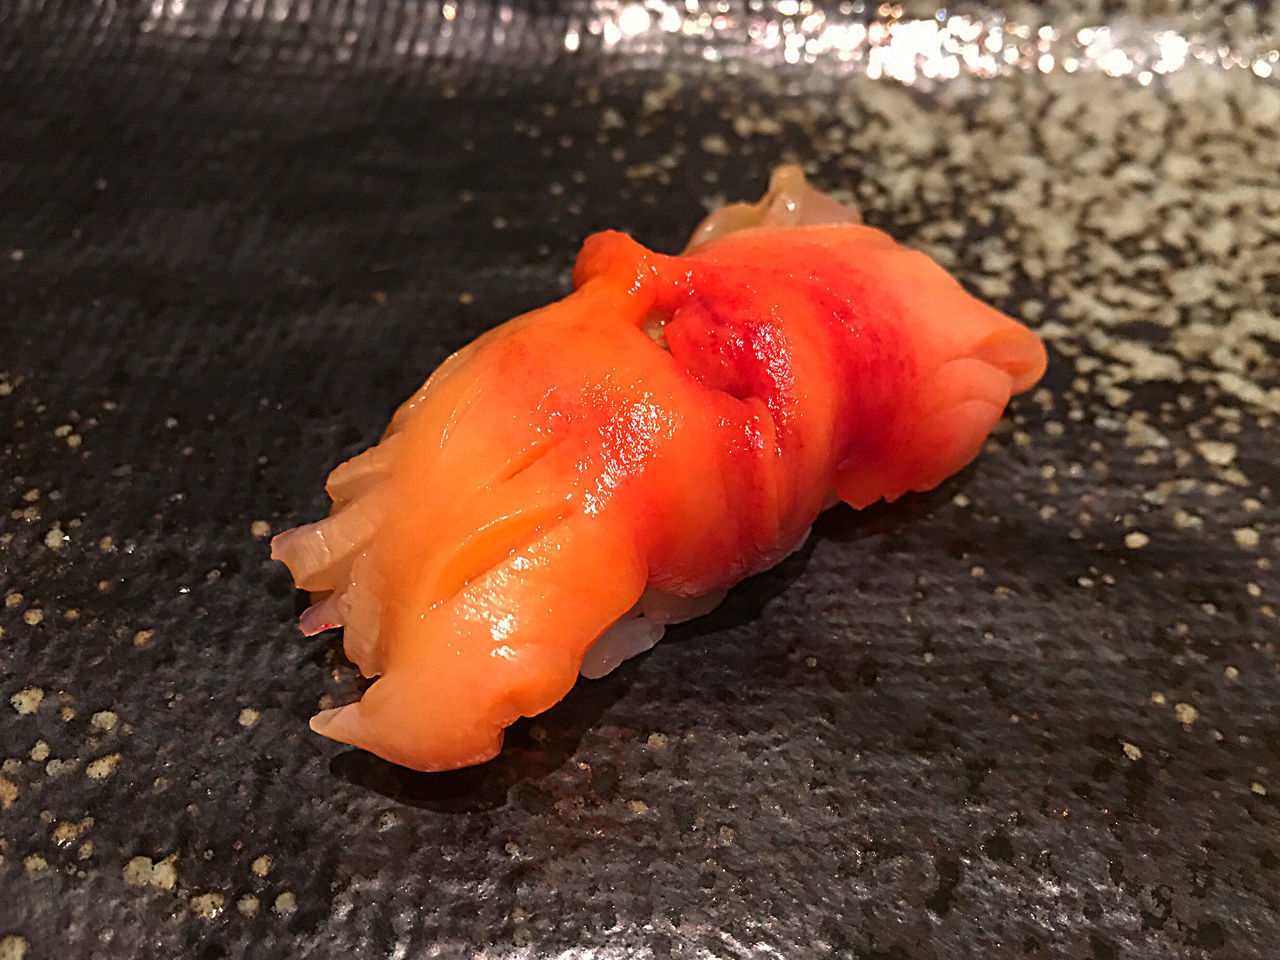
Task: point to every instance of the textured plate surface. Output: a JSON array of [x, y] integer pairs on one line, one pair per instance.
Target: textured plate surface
[[1032, 714]]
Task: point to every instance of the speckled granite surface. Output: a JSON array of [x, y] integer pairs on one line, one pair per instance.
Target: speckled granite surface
[[1032, 714]]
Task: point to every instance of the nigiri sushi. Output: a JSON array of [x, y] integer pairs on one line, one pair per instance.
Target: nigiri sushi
[[578, 477]]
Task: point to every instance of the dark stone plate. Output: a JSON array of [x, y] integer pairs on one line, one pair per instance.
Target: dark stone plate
[[1031, 714]]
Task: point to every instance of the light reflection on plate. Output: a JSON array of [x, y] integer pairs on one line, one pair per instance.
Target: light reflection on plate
[[855, 37]]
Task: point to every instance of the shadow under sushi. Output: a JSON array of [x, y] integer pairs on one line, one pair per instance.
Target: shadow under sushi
[[745, 602], [844, 525], [532, 749], [560, 730]]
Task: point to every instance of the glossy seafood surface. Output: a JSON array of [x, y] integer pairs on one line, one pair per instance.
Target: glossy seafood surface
[[673, 425]]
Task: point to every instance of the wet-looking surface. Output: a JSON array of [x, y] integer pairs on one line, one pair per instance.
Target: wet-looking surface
[[1031, 714]]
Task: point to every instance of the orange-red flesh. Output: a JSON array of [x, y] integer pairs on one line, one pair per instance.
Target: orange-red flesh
[[676, 423]]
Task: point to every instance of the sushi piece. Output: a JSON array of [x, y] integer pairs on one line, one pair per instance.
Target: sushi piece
[[577, 478]]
